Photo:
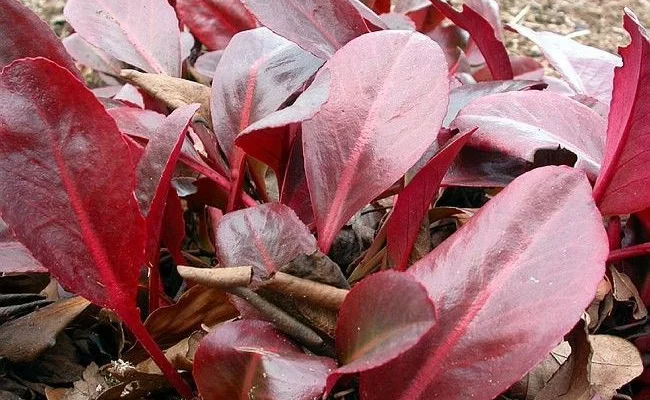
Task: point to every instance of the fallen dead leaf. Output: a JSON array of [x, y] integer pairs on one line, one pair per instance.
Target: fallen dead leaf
[[626, 291]]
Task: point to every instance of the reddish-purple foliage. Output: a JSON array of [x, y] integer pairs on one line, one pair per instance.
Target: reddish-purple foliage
[[623, 184], [215, 22], [491, 283], [348, 117]]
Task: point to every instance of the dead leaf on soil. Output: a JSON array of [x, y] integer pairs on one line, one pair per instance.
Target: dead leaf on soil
[[625, 291], [23, 339]]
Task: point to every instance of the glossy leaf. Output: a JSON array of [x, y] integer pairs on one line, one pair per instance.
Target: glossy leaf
[[294, 191], [461, 96], [386, 126], [265, 237], [141, 33], [540, 241], [587, 70], [257, 72], [14, 257], [319, 26], [373, 329], [25, 35], [90, 56], [214, 22], [82, 218], [511, 124], [623, 185], [415, 200], [250, 359], [483, 34]]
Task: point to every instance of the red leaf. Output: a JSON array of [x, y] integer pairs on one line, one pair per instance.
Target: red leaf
[[488, 9], [265, 237], [214, 22], [294, 190], [141, 33], [257, 72], [622, 187], [372, 330], [319, 26], [461, 96], [483, 35], [173, 231], [510, 123], [415, 200], [137, 122], [85, 226], [25, 35], [90, 56], [250, 359], [586, 69], [373, 128], [540, 242]]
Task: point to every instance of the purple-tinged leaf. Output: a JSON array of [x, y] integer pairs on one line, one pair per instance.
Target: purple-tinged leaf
[[294, 191], [136, 122], [378, 6], [141, 33], [173, 227], [207, 63], [25, 35], [586, 69], [461, 96], [215, 22], [484, 36], [265, 237], [512, 123], [373, 21], [523, 67], [415, 200], [14, 257], [375, 125], [623, 185], [250, 359], [258, 71], [540, 241], [378, 322], [90, 56], [319, 26], [489, 9], [398, 21], [84, 224], [131, 95]]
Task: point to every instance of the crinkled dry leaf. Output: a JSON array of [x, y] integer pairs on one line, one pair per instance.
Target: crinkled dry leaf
[[614, 362], [624, 290]]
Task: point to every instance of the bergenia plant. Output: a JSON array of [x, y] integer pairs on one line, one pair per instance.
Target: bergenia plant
[[387, 219]]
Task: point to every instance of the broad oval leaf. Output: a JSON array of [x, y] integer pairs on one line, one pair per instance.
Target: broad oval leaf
[[265, 237], [415, 199], [483, 34], [379, 119], [84, 225], [258, 71], [381, 318], [91, 56], [535, 253], [214, 22], [622, 187], [511, 124], [142, 33], [251, 360], [586, 69], [319, 26], [24, 35]]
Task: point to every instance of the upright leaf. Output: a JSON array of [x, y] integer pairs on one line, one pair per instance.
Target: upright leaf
[[250, 360], [415, 200], [215, 22], [141, 33], [623, 185], [265, 237], [25, 35], [90, 56], [319, 26], [257, 72], [380, 118], [588, 70], [510, 123], [73, 170], [483, 34], [82, 218], [540, 242]]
